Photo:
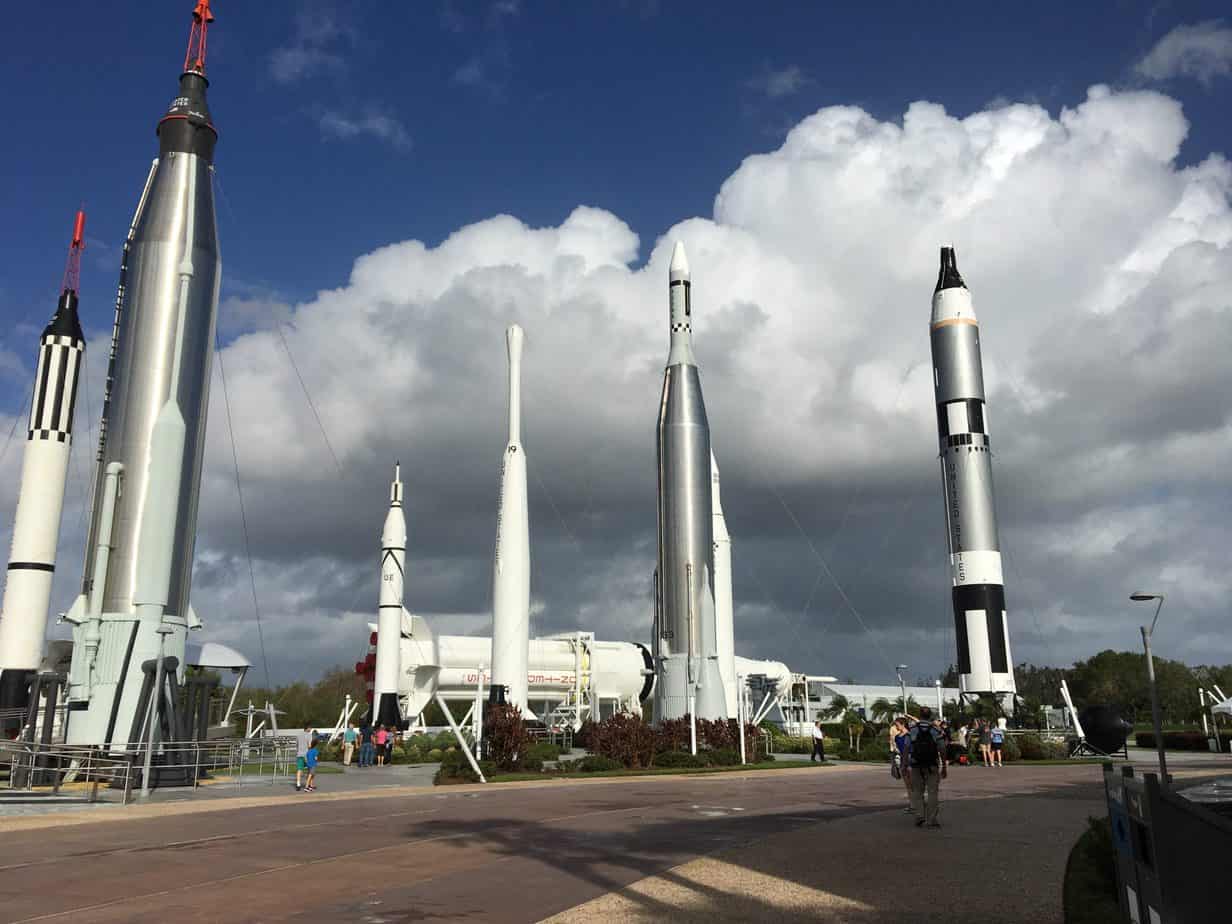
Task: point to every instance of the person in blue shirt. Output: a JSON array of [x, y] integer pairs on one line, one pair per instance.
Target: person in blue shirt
[[311, 760], [997, 740]]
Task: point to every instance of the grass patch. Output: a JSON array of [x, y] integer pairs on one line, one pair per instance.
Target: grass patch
[[653, 771], [1090, 878]]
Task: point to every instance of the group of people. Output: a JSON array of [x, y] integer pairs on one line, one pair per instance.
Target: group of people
[[376, 745], [991, 739]]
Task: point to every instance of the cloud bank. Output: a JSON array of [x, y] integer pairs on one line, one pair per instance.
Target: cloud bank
[[1202, 51], [1101, 272]]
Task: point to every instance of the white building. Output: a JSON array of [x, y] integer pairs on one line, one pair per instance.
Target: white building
[[800, 711]]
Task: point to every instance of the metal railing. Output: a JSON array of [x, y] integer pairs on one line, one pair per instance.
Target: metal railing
[[47, 768]]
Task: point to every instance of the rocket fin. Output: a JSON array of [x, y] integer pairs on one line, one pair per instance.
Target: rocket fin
[[192, 619], [408, 624], [76, 614]]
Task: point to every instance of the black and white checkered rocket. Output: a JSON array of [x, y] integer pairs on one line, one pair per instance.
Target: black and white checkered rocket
[[36, 530], [984, 661]]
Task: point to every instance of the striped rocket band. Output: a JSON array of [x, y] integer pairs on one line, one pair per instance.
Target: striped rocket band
[[55, 388]]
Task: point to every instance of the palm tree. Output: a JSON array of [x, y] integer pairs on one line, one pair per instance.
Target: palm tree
[[882, 710], [855, 729], [838, 706]]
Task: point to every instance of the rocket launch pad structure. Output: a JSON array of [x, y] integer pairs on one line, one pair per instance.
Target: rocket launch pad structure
[[134, 609]]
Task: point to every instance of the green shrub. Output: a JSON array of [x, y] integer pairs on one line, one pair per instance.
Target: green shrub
[[437, 754], [721, 757], [397, 755], [1089, 890], [596, 763], [455, 768], [670, 759], [798, 745], [531, 764], [544, 750], [1181, 741]]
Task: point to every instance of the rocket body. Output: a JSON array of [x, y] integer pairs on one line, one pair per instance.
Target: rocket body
[[153, 426], [385, 708], [984, 661], [36, 529], [724, 621], [685, 643], [511, 559]]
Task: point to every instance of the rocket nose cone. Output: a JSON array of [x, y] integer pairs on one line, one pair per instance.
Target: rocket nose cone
[[949, 277], [680, 263]]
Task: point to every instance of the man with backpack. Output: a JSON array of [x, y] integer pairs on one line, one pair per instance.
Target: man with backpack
[[928, 769]]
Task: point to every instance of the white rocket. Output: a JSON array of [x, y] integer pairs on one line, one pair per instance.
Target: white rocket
[[385, 709], [36, 530], [721, 574], [511, 561]]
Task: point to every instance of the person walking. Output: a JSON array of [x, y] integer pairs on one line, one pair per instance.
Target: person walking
[[310, 760], [900, 744], [379, 740], [928, 769], [349, 737], [365, 745], [819, 743], [996, 741], [303, 743]]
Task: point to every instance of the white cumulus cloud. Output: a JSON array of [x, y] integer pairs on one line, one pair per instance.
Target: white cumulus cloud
[[1202, 51], [1101, 270]]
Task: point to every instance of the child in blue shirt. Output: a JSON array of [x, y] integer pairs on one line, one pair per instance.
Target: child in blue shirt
[[311, 760]]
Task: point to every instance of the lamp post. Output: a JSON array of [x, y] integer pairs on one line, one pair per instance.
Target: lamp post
[[902, 685], [1141, 597]]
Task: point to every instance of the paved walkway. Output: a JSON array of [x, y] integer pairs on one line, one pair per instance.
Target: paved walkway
[[804, 844]]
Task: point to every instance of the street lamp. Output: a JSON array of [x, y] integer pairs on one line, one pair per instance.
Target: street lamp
[[898, 669], [1141, 597]]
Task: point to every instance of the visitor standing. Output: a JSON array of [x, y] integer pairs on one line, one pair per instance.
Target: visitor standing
[[819, 743], [390, 740], [365, 745], [928, 769], [349, 737], [900, 742], [985, 744], [996, 740], [303, 742], [379, 739]]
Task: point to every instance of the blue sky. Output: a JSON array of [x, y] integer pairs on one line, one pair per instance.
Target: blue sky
[[349, 130], [641, 108]]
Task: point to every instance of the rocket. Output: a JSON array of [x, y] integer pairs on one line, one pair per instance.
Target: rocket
[[511, 559], [721, 576], [385, 709], [152, 435], [36, 530], [685, 642], [984, 662]]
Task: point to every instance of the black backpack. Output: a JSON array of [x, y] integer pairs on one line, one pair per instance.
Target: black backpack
[[924, 748]]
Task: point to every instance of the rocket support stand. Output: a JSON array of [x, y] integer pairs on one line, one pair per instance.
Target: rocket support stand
[[457, 733]]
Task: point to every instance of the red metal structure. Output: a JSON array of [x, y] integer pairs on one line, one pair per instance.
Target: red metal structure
[[194, 60], [72, 268]]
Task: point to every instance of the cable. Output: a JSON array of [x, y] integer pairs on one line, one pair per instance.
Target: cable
[[833, 580], [239, 489], [308, 397]]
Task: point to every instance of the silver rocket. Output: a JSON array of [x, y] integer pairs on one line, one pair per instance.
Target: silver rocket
[[984, 661], [152, 436], [724, 608], [36, 528], [385, 708], [685, 643]]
